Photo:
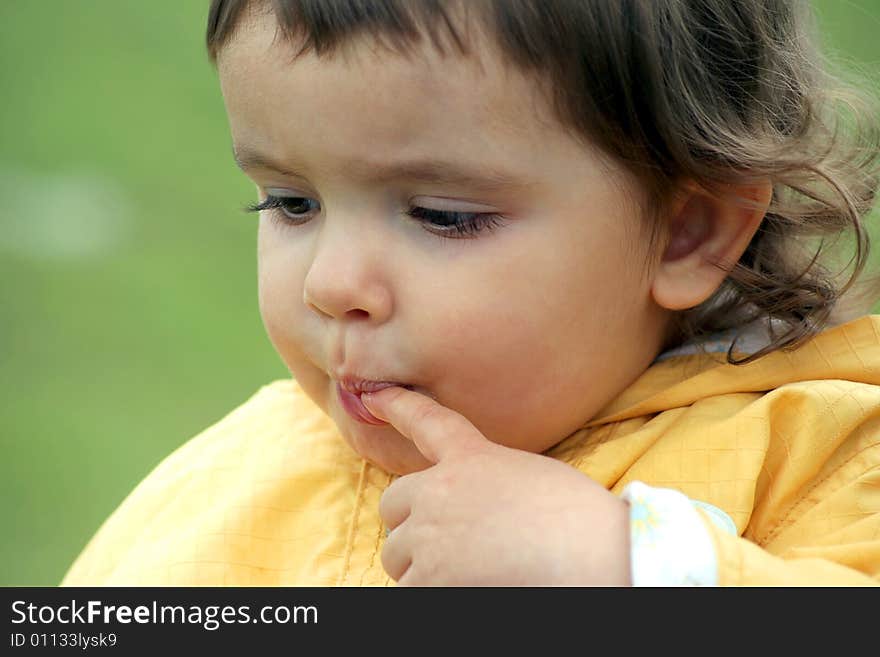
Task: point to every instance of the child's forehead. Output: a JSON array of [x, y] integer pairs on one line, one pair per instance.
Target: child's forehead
[[474, 98], [343, 119], [424, 63]]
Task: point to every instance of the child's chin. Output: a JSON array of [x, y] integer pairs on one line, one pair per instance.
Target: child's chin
[[389, 451]]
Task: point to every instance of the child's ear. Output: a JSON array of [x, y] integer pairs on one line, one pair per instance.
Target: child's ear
[[706, 235]]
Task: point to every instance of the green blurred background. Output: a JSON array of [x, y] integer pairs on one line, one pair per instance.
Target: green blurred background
[[127, 271]]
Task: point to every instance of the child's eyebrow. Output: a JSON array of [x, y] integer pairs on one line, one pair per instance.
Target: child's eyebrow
[[431, 171]]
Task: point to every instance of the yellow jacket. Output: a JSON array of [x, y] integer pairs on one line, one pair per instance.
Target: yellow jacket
[[788, 446]]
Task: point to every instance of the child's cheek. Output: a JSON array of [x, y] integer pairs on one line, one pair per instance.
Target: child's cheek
[[281, 307]]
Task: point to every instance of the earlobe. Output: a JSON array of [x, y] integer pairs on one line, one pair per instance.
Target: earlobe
[[706, 235]]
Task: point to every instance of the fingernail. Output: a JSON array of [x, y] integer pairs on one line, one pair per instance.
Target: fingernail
[[367, 401]]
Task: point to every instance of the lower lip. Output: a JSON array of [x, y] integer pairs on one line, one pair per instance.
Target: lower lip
[[355, 407]]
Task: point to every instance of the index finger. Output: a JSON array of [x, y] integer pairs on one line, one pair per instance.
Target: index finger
[[437, 431]]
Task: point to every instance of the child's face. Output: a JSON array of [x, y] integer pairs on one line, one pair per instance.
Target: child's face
[[526, 328]]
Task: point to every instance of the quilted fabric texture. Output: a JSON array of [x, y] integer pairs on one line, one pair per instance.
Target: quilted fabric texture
[[788, 446]]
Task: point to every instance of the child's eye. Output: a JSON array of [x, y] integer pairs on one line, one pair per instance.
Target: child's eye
[[290, 208], [452, 224], [295, 210]]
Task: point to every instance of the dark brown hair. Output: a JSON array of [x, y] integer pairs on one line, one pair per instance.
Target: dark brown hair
[[718, 92]]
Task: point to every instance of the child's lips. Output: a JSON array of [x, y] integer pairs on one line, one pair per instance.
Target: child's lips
[[351, 401], [349, 391], [358, 386]]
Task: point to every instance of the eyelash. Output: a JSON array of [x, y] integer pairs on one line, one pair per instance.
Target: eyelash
[[459, 228]]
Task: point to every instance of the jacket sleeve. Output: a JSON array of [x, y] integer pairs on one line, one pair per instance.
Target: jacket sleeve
[[834, 542]]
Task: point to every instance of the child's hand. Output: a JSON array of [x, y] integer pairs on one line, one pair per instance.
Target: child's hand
[[486, 514]]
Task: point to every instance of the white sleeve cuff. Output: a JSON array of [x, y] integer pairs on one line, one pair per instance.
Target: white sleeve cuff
[[669, 544]]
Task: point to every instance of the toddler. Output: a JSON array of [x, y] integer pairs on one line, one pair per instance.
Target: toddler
[[551, 279]]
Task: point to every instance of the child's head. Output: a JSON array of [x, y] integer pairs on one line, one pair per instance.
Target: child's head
[[515, 212]]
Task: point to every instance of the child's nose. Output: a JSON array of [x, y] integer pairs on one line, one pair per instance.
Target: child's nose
[[346, 277]]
